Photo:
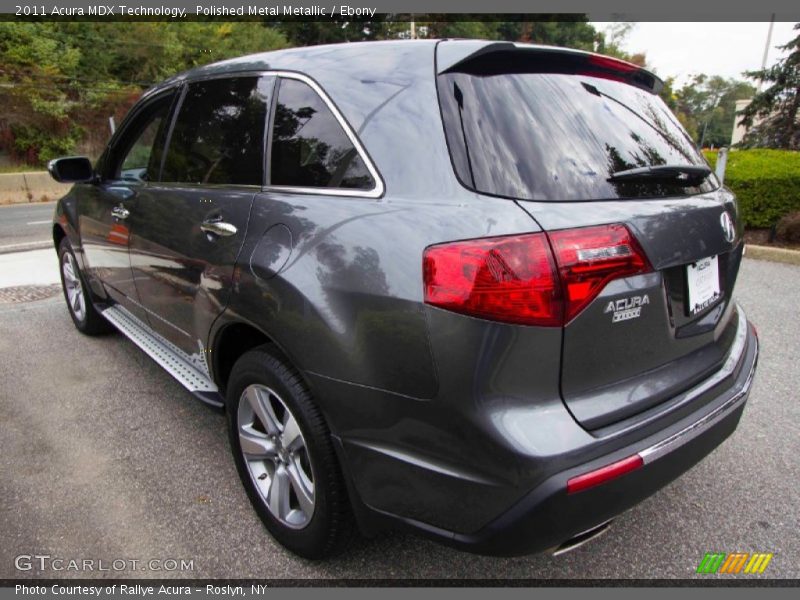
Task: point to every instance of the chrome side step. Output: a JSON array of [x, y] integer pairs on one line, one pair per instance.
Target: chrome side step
[[174, 360]]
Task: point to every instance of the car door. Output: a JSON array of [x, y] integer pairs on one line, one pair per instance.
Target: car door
[[187, 230], [132, 158]]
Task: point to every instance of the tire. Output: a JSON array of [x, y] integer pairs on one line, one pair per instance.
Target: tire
[[77, 294], [290, 472]]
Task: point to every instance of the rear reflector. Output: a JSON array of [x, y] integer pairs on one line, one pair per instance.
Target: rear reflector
[[532, 279], [604, 474]]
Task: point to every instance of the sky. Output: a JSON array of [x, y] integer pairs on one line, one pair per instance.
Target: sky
[[683, 49]]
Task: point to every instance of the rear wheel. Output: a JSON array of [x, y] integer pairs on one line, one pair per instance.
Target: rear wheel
[[79, 300], [285, 456]]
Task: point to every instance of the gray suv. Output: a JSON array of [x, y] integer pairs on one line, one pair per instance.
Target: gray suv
[[483, 290]]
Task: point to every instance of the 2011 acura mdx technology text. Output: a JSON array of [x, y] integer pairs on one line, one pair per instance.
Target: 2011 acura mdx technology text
[[481, 289]]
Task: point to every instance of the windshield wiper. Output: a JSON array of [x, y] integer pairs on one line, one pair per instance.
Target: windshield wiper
[[679, 173]]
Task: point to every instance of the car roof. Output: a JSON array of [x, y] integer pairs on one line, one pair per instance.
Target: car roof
[[308, 59], [300, 58]]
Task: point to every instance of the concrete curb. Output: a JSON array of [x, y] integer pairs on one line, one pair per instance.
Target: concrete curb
[[784, 255], [31, 186], [25, 247]]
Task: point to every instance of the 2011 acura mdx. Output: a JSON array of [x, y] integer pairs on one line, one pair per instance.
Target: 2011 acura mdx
[[481, 289]]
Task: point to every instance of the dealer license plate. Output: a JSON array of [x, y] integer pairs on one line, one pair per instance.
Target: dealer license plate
[[703, 283]]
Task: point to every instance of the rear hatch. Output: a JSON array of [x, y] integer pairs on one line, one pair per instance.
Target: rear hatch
[[646, 242]]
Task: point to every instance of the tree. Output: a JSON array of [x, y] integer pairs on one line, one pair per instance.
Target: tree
[[772, 116], [706, 106], [61, 80], [310, 33], [482, 30], [571, 34], [36, 69], [611, 40], [576, 33]]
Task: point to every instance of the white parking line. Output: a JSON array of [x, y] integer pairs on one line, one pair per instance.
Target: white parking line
[[39, 222]]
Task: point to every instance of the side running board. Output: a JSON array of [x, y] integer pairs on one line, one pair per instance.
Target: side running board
[[174, 360]]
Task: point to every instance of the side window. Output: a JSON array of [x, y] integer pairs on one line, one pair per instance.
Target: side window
[[309, 146], [218, 135], [138, 155]]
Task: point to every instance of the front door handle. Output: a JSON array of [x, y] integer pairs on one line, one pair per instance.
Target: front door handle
[[120, 212], [218, 227]]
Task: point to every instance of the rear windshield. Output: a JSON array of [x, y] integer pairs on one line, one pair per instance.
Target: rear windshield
[[554, 136]]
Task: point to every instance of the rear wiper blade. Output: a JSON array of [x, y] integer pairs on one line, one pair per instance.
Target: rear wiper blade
[[673, 172]]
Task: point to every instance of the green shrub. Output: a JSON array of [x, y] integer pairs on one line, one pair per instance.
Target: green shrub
[[766, 182]]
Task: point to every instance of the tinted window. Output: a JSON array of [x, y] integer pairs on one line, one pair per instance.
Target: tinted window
[[138, 155], [218, 136], [309, 146], [553, 136]]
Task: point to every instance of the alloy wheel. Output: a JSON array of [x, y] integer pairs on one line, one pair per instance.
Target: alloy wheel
[[73, 287], [276, 456]]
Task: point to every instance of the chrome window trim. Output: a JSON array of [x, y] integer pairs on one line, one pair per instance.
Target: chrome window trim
[[188, 186], [375, 192]]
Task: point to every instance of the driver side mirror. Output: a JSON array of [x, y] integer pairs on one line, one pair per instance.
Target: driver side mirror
[[73, 169]]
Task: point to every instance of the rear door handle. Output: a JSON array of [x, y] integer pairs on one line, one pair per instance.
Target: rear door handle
[[120, 212], [218, 227]]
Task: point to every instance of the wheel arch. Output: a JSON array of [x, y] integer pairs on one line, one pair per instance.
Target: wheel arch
[[58, 235], [233, 339]]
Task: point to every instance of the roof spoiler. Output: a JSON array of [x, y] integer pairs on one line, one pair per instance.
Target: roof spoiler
[[494, 58]]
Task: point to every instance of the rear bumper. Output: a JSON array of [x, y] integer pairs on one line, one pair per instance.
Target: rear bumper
[[547, 515]]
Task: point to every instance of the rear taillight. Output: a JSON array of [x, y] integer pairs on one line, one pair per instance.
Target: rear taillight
[[510, 279], [589, 257], [516, 279]]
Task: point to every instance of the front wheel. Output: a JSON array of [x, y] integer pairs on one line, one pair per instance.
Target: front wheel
[[79, 300], [285, 457]]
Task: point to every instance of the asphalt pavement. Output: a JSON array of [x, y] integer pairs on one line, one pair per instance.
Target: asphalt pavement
[[105, 456], [26, 226]]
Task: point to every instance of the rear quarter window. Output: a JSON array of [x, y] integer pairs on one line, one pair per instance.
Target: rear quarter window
[[309, 146]]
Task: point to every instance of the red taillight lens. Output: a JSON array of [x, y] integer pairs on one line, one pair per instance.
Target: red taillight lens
[[589, 257], [604, 474], [510, 279], [516, 279]]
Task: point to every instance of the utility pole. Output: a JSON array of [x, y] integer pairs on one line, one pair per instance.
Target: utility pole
[[763, 66], [766, 51], [714, 105]]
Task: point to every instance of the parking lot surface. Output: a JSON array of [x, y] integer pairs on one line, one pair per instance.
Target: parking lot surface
[[104, 456]]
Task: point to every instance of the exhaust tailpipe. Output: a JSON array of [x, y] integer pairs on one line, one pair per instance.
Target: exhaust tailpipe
[[582, 538]]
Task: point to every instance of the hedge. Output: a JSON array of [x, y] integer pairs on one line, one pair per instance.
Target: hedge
[[766, 182]]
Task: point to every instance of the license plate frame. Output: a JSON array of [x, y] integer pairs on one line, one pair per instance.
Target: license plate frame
[[703, 287]]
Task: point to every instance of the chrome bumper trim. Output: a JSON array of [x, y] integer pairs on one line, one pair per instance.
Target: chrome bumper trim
[[698, 427]]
